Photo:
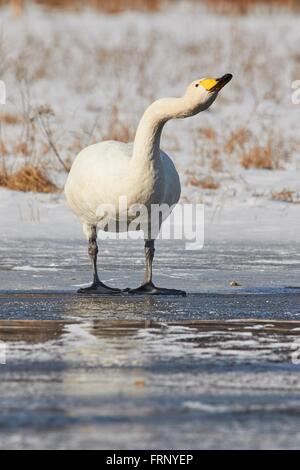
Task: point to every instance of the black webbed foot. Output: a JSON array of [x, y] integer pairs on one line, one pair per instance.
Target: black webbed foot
[[98, 288], [150, 289]]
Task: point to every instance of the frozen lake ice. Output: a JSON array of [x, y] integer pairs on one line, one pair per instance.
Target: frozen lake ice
[[218, 369]]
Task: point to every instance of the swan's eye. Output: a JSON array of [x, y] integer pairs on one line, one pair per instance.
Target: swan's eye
[[197, 84]]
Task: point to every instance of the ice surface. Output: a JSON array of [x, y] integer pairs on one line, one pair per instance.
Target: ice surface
[[142, 384], [88, 372], [218, 369]]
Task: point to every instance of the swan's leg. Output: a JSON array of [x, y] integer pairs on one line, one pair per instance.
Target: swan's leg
[[97, 287], [148, 288]]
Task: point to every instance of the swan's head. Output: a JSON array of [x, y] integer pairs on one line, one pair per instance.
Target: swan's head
[[202, 93]]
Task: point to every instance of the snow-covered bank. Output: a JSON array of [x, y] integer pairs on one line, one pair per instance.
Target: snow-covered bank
[[47, 216]]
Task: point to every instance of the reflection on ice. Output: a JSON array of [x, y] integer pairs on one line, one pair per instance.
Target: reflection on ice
[[128, 343], [99, 383]]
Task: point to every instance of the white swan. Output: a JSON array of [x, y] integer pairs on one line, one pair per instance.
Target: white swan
[[142, 172]]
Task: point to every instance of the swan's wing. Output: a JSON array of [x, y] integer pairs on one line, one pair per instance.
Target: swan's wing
[[96, 176], [172, 181]]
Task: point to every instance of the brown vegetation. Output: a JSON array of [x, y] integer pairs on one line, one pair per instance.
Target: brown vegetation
[[286, 195], [27, 179], [21, 148], [109, 6], [10, 119], [244, 6], [3, 149], [117, 129], [260, 157], [216, 164], [117, 6], [264, 153], [208, 133], [206, 183], [237, 139]]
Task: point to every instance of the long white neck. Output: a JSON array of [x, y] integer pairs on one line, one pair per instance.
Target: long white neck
[[146, 149]]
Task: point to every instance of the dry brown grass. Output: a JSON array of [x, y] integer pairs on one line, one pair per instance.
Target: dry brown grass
[[236, 140], [10, 119], [21, 148], [286, 195], [260, 157], [3, 148], [216, 164], [241, 7], [117, 129], [206, 183], [208, 133], [27, 179], [264, 151], [108, 6], [117, 6]]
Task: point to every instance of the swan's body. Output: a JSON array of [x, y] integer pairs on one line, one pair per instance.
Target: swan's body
[[141, 172], [112, 162]]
